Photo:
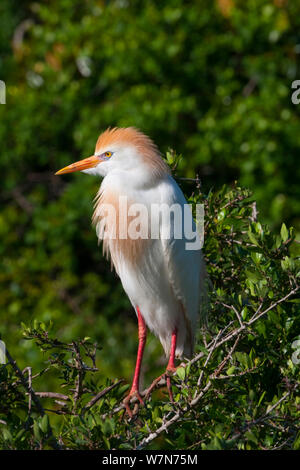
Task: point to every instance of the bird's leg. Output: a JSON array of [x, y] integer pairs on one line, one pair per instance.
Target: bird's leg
[[171, 364], [169, 370], [134, 391]]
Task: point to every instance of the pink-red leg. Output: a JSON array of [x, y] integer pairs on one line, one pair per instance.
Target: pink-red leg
[[134, 391], [171, 364], [170, 369]]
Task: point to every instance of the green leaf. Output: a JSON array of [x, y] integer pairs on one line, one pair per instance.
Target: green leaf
[[252, 237], [36, 430], [261, 398], [180, 371], [242, 358], [251, 437], [284, 233], [106, 442], [254, 276], [296, 444], [230, 370], [44, 424], [6, 434], [108, 426]]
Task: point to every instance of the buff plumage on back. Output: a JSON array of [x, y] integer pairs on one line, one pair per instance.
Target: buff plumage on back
[[144, 145]]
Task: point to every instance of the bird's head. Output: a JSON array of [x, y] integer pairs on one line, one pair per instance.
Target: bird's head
[[122, 149]]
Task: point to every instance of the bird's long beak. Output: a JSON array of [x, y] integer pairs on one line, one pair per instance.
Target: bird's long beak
[[89, 162]]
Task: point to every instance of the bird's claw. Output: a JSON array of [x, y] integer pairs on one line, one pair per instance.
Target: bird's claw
[[167, 376], [133, 394]]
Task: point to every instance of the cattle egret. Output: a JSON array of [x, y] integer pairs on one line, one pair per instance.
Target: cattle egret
[[162, 276]]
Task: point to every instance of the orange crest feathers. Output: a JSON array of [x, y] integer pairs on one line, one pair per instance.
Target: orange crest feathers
[[145, 146]]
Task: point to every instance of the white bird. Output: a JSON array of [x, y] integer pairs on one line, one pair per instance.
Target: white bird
[[163, 279]]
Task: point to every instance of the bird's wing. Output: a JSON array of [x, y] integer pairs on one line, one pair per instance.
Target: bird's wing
[[184, 266]]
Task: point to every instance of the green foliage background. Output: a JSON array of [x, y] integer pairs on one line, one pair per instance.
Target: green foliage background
[[209, 79]]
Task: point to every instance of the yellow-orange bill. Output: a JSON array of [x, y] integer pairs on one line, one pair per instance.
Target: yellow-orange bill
[[89, 162]]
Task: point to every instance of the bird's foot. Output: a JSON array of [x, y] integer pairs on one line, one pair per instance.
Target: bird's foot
[[134, 393], [154, 385], [167, 376], [169, 372]]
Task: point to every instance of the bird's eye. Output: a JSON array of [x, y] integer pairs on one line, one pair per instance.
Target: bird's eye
[[108, 154]]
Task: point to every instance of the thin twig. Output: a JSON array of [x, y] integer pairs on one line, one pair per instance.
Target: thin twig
[[59, 396], [25, 383], [101, 394], [206, 361], [80, 375], [33, 395], [261, 419], [28, 369]]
